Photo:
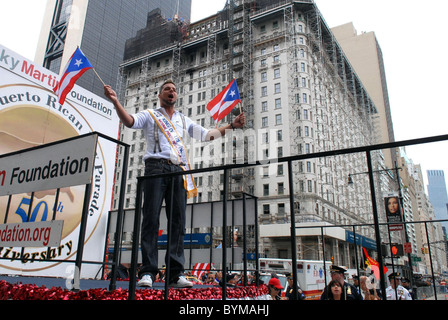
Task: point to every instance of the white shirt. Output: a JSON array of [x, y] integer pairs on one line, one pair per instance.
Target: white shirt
[[143, 120], [403, 294]]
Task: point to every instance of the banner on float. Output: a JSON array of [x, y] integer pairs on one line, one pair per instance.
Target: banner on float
[[51, 167], [30, 116]]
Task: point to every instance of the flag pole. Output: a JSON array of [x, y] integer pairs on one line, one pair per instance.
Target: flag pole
[[98, 76], [94, 70]]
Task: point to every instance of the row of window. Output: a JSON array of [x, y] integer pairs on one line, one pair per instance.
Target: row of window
[[327, 214]]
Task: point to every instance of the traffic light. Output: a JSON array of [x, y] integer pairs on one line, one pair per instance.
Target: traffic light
[[396, 250]]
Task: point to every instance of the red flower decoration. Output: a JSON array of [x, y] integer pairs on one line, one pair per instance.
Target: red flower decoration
[[32, 292]]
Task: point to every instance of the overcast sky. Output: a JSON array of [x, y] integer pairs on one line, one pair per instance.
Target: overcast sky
[[411, 34]]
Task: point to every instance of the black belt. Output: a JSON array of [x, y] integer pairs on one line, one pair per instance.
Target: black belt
[[164, 161]]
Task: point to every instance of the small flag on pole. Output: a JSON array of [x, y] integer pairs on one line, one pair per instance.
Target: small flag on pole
[[76, 66], [224, 102]]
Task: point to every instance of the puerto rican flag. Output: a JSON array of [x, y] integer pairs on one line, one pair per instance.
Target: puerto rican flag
[[224, 102], [199, 269], [76, 66]]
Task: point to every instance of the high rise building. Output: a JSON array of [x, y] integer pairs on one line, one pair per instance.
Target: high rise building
[[366, 57], [300, 95], [100, 28], [438, 195]]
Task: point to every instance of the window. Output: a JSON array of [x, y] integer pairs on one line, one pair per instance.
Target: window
[[278, 119], [264, 106], [280, 188], [264, 91], [278, 103], [264, 76], [310, 186], [265, 137], [265, 189], [265, 153], [281, 209], [277, 88], [265, 172], [266, 209], [279, 135], [276, 73], [280, 170], [276, 59], [280, 152], [264, 122]]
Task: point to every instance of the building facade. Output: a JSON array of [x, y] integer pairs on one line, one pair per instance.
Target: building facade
[[364, 53], [100, 28], [300, 96]]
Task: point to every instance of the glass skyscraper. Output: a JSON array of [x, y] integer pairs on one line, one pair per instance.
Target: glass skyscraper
[[100, 28], [438, 195]]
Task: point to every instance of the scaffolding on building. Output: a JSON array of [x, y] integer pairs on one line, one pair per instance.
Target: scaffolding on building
[[341, 107]]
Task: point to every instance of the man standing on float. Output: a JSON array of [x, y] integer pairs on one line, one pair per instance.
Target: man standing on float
[[164, 129]]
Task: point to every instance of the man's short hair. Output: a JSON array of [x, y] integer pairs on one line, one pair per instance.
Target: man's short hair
[[165, 83]]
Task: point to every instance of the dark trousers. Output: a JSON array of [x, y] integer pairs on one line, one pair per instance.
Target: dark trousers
[[155, 191]]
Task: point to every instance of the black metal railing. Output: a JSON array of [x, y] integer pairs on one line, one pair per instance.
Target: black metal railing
[[367, 150]]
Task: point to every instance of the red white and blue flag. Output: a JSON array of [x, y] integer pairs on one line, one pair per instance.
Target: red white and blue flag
[[224, 102], [76, 66], [199, 269]]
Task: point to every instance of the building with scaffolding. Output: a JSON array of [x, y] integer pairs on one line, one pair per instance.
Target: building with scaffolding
[[300, 95]]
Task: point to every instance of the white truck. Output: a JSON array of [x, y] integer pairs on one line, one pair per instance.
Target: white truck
[[310, 273]]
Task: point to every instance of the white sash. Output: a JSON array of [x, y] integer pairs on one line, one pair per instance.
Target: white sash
[[179, 148]]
